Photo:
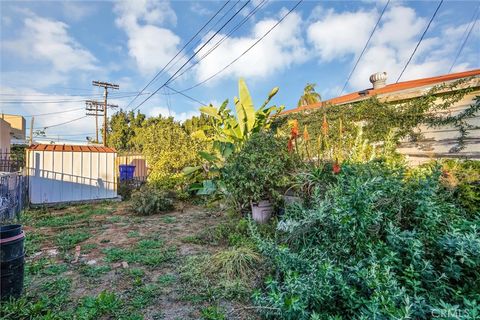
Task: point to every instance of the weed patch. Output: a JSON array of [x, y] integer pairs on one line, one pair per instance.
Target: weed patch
[[146, 252]]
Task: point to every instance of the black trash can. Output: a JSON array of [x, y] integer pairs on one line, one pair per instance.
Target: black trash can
[[12, 258]]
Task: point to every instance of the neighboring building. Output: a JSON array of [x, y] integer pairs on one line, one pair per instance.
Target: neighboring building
[[437, 142], [5, 130], [71, 173], [17, 124]]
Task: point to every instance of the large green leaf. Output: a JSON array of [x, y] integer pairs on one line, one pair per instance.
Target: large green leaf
[[189, 170], [207, 156], [210, 111], [247, 108]]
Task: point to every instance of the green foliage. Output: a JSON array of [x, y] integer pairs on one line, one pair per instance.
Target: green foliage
[[228, 132], [309, 96], [168, 149], [379, 118], [213, 313], [68, 239], [211, 277], [125, 189], [149, 200], [148, 252], [236, 262], [380, 243], [258, 171], [463, 179], [104, 304], [123, 129]]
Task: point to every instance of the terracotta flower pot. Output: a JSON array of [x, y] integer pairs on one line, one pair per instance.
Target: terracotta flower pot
[[262, 211]]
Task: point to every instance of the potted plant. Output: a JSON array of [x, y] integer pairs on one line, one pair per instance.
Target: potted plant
[[253, 176]]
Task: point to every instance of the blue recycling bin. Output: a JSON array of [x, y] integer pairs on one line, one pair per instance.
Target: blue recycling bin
[[126, 172]]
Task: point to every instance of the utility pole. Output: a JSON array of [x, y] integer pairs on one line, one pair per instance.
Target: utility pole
[[105, 86], [31, 130], [96, 108]]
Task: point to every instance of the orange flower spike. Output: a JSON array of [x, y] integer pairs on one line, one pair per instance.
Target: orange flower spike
[[325, 125], [336, 167], [306, 136], [294, 131], [290, 145]]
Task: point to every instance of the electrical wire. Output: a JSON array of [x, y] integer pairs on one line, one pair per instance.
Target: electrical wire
[[472, 23], [364, 48], [186, 96], [195, 53], [419, 41], [244, 52], [61, 100], [235, 28], [207, 32], [60, 124], [176, 55]]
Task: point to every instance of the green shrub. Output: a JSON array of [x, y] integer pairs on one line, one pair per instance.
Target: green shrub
[[125, 189], [168, 149], [258, 171], [463, 179], [380, 244], [149, 200]]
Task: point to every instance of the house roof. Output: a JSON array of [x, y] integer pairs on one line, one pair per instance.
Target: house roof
[[71, 148], [390, 88]]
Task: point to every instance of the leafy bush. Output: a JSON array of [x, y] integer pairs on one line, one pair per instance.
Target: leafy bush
[[381, 243], [463, 179], [168, 149], [258, 171], [149, 200]]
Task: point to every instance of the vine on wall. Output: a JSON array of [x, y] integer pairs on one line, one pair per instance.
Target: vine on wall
[[379, 118]]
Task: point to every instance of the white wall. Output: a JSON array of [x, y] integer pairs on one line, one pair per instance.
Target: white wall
[[66, 176]]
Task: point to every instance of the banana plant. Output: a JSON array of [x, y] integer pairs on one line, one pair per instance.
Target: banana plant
[[229, 131], [232, 130]]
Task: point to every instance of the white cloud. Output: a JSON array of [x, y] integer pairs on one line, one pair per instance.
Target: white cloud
[[199, 8], [77, 11], [150, 44], [337, 35], [48, 40], [283, 47]]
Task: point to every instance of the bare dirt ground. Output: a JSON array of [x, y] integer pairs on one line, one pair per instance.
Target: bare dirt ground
[[105, 248]]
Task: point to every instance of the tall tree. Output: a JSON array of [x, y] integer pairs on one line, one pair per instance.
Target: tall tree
[[123, 128], [310, 96]]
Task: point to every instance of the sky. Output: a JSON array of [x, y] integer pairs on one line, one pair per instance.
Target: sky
[[52, 50]]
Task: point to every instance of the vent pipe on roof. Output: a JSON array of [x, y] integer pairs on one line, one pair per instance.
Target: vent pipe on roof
[[379, 80]]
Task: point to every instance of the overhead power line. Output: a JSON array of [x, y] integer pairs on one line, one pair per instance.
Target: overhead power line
[[420, 41], [208, 31], [51, 113], [61, 100], [187, 96], [193, 56], [234, 29], [244, 52], [364, 48], [176, 55], [472, 23], [61, 124]]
